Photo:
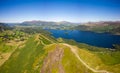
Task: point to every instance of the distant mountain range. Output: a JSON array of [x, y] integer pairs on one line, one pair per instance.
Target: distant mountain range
[[49, 24], [38, 23], [4, 26], [103, 23], [103, 26]]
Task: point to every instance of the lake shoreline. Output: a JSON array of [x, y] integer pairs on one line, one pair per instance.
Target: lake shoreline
[[105, 40]]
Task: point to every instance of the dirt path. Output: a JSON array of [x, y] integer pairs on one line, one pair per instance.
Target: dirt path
[[76, 54], [46, 38], [53, 61], [42, 42]]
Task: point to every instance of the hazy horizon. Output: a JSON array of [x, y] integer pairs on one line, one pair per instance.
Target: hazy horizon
[[61, 21], [17, 11]]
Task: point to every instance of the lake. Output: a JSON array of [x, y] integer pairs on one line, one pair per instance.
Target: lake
[[105, 40]]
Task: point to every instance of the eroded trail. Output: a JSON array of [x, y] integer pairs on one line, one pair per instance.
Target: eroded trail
[[76, 54], [53, 61]]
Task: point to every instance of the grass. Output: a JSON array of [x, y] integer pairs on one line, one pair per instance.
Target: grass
[[101, 60], [71, 64], [69, 61], [91, 59], [107, 56], [28, 59], [5, 48], [98, 58], [110, 58], [44, 40]]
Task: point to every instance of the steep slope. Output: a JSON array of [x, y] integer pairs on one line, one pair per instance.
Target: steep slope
[[61, 59], [52, 63], [27, 59]]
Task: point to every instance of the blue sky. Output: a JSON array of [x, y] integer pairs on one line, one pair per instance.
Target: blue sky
[[59, 10]]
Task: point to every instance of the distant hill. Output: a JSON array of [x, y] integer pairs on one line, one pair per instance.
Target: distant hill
[[4, 26], [46, 23], [101, 27], [104, 26], [49, 24]]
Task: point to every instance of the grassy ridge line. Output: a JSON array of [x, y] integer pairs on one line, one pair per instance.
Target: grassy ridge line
[[69, 61], [75, 52], [100, 71]]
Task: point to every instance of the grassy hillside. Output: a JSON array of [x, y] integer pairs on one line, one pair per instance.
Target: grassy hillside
[[40, 53], [67, 64], [71, 63], [31, 57], [101, 60], [26, 59], [98, 58]]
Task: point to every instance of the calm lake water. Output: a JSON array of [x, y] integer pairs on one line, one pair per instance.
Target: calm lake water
[[95, 39]]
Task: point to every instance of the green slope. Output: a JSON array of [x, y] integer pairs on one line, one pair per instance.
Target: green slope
[[27, 59]]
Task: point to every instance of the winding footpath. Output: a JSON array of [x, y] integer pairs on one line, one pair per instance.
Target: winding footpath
[[76, 54]]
